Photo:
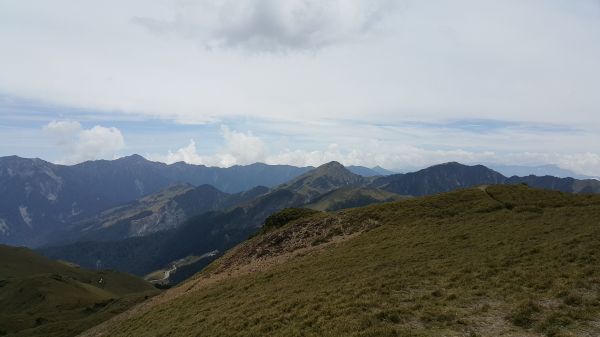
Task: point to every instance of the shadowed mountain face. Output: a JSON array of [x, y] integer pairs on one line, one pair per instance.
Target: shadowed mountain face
[[156, 212], [438, 179], [210, 231], [40, 201], [161, 211], [452, 176], [38, 198]]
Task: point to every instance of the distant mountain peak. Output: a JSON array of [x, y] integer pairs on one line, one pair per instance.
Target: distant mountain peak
[[332, 166], [134, 158], [333, 162], [208, 188], [457, 165], [324, 178], [451, 163]]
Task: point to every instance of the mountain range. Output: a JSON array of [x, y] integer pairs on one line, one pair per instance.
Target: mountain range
[[211, 231], [133, 215], [451, 176], [328, 187], [39, 199]]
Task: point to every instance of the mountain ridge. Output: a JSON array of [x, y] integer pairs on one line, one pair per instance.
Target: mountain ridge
[[38, 197], [45, 198], [207, 232], [499, 260], [222, 229]]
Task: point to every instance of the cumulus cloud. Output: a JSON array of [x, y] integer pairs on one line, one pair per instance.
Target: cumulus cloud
[[244, 148], [271, 25], [241, 148], [79, 144], [63, 132], [188, 154]]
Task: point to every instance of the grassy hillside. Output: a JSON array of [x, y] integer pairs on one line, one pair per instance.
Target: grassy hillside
[[42, 297], [495, 261], [348, 197]]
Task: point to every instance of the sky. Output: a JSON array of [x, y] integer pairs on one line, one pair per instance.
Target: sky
[[396, 83]]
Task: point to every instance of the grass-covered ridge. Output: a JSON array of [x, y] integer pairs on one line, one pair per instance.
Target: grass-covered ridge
[[349, 197], [495, 261], [42, 297]]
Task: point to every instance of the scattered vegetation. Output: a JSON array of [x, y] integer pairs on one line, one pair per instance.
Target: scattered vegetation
[[284, 217], [495, 261]]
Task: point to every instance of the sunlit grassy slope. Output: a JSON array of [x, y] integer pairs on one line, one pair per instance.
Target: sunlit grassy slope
[[42, 297], [495, 261]]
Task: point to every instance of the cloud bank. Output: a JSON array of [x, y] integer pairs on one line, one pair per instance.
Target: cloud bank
[[242, 148], [79, 144], [535, 61], [239, 149], [271, 25]]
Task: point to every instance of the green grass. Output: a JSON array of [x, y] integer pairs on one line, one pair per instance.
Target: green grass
[[42, 297], [509, 261], [348, 197]]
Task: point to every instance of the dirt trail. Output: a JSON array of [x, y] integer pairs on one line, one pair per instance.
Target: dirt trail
[[167, 274]]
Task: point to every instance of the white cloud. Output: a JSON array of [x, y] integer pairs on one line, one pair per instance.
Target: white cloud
[[245, 148], [63, 132], [517, 60], [79, 144], [527, 62], [271, 25], [239, 149], [583, 162], [186, 154], [242, 148]]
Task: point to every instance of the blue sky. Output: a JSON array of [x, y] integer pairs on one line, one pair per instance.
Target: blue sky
[[400, 84]]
